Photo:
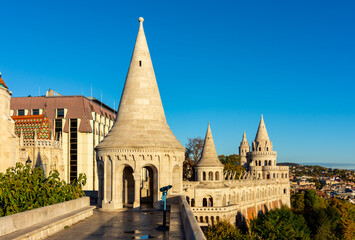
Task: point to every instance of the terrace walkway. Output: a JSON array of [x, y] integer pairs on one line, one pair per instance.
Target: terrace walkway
[[143, 224]]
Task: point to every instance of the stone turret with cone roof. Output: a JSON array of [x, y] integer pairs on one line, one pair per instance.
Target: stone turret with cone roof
[[244, 148], [140, 120], [140, 136], [262, 156], [209, 168], [262, 141], [9, 142]]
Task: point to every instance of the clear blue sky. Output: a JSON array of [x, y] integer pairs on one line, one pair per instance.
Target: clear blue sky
[[224, 62]]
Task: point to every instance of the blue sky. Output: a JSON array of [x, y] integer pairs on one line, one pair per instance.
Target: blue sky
[[224, 62]]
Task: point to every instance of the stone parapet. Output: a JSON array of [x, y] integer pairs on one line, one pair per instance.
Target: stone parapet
[[29, 219], [191, 226], [255, 153]]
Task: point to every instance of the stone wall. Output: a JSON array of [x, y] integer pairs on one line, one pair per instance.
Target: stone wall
[[20, 221]]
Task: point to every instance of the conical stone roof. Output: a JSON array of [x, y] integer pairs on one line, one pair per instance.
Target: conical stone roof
[[261, 135], [244, 142], [209, 156], [140, 119]]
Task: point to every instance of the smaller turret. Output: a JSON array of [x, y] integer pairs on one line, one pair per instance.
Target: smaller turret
[[209, 168], [244, 148]]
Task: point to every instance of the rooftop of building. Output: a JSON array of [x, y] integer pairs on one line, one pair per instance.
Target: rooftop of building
[[78, 107]]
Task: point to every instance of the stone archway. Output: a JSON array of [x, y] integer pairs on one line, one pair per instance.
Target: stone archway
[[149, 184], [128, 187]]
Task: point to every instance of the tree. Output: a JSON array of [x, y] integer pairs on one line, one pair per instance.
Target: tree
[[194, 149], [24, 188], [232, 163], [280, 224], [225, 231], [193, 153]]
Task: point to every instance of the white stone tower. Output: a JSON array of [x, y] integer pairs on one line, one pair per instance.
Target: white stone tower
[[9, 142], [262, 158], [244, 148], [140, 154], [209, 168]]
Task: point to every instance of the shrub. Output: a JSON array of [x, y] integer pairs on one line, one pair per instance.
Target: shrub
[[23, 188]]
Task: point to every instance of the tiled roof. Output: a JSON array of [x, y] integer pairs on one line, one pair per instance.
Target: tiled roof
[[31, 124], [78, 107], [2, 83]]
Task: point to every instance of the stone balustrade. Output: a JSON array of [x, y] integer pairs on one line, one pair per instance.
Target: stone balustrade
[[41, 143]]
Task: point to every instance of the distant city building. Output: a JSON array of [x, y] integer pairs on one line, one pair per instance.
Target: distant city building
[[76, 124]]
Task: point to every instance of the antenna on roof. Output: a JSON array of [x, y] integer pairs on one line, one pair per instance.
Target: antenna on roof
[[91, 94], [101, 100]]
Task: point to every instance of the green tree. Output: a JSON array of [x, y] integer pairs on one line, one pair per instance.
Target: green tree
[[225, 231], [280, 224], [23, 188], [232, 163]]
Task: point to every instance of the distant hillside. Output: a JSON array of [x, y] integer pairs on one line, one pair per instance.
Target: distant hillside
[[287, 164]]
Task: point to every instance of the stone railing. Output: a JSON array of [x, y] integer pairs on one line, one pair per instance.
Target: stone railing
[[192, 229], [19, 222], [214, 209]]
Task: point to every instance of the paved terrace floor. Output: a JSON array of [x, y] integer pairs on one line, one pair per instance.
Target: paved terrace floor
[[143, 224]]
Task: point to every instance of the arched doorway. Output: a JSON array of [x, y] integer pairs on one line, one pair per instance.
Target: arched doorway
[[128, 187], [149, 184]]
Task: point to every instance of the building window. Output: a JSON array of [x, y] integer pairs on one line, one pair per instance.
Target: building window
[[58, 126], [73, 149], [60, 112], [35, 111], [140, 63], [20, 112]]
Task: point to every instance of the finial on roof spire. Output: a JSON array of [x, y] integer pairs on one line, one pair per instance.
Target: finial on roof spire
[[141, 19], [208, 123]]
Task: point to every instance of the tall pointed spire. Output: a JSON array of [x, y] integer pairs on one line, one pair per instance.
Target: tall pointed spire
[[261, 135], [209, 156], [140, 118]]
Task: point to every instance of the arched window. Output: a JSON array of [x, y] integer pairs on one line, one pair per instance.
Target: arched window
[[268, 176], [210, 202], [265, 163], [285, 175], [217, 176], [267, 148], [259, 148], [282, 175], [201, 219], [273, 176], [188, 200], [259, 162], [210, 176], [204, 202], [270, 163], [192, 202], [204, 176], [284, 190]]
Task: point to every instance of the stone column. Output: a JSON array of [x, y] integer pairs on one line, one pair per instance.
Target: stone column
[[137, 190]]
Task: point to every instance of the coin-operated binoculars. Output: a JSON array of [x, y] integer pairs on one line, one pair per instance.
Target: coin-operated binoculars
[[164, 191]]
